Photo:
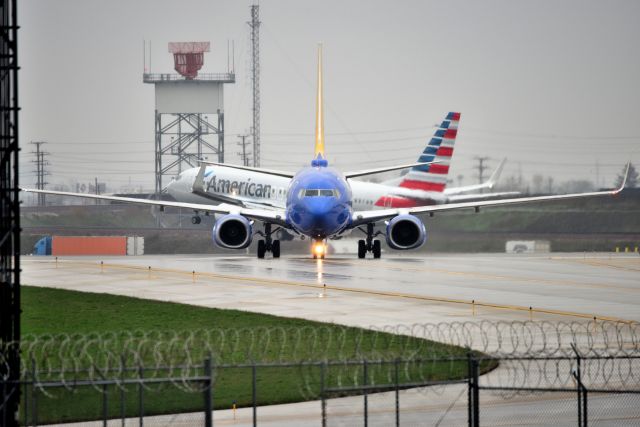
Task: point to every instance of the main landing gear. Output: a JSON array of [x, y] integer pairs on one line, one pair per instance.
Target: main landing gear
[[369, 244], [268, 244]]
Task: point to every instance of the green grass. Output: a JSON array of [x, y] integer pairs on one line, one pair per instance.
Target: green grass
[[107, 330]]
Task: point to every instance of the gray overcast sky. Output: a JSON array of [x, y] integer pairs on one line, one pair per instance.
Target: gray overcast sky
[[552, 85]]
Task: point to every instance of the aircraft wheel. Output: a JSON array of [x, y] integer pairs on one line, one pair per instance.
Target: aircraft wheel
[[362, 249], [196, 220], [275, 248], [377, 249], [262, 248]]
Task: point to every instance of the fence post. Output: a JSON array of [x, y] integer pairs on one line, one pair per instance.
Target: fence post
[[476, 392], [3, 399], [105, 408], [397, 381], [141, 395], [123, 362], [323, 402], [473, 391], [254, 394], [469, 394], [578, 377], [366, 398], [26, 399], [208, 386], [34, 391], [584, 409]]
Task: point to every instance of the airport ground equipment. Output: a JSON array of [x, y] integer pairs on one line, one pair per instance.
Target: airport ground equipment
[[89, 245]]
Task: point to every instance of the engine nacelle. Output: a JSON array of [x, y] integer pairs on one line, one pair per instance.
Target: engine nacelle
[[232, 232], [406, 232]]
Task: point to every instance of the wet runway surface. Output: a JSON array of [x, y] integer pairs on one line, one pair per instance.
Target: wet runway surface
[[398, 289]]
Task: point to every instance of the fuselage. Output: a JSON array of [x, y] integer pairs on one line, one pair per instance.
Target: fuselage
[[260, 188], [319, 202]]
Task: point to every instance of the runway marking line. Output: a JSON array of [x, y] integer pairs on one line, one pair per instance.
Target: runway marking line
[[598, 263], [490, 276], [245, 279]]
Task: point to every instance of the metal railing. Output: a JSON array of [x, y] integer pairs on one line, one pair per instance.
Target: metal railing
[[170, 77]]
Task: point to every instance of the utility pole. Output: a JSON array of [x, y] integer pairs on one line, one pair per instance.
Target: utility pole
[[40, 170], [244, 156], [481, 168], [255, 74]]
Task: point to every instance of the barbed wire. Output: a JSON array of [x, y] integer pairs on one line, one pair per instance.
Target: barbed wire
[[534, 354]]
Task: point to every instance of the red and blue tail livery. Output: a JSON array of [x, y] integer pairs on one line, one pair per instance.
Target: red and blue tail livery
[[433, 177]]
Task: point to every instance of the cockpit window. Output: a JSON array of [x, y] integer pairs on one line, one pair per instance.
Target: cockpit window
[[321, 193]]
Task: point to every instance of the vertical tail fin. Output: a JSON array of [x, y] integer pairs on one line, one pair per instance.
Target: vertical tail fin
[[319, 147], [434, 177]]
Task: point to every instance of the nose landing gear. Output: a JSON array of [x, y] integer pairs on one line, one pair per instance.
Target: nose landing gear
[[318, 249], [268, 244], [369, 244]]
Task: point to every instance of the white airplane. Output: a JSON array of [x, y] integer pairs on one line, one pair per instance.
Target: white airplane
[[318, 203], [424, 184]]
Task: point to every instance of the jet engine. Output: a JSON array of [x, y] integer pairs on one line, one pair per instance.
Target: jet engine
[[406, 232], [232, 232]]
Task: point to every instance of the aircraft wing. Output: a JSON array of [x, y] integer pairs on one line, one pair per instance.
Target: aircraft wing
[[364, 217], [493, 179], [481, 196], [274, 216], [353, 174], [251, 169]]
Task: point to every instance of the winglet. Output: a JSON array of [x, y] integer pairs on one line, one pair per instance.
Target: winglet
[[198, 183], [319, 148], [496, 174], [624, 180]]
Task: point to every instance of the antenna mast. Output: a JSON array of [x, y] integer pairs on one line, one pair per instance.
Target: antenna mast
[[255, 72]]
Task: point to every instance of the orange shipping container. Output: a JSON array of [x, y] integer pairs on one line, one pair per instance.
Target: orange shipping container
[[89, 245]]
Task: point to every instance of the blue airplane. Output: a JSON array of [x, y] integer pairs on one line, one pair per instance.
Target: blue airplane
[[319, 204]]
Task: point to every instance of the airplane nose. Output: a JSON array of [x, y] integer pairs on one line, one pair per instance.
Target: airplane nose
[[319, 206]]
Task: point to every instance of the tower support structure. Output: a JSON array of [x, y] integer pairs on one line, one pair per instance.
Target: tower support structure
[[9, 217], [189, 113], [255, 76]]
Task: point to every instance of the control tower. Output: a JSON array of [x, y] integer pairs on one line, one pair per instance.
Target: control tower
[[189, 112]]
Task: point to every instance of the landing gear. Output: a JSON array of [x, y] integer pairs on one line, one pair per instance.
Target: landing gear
[[376, 249], [268, 244], [362, 249], [196, 220], [369, 244], [319, 249], [262, 248]]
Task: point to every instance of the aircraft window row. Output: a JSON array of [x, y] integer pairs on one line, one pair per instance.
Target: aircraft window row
[[364, 201], [319, 193]]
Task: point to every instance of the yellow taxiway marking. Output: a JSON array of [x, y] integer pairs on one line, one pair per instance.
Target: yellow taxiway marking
[[279, 282], [396, 266], [612, 263]]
